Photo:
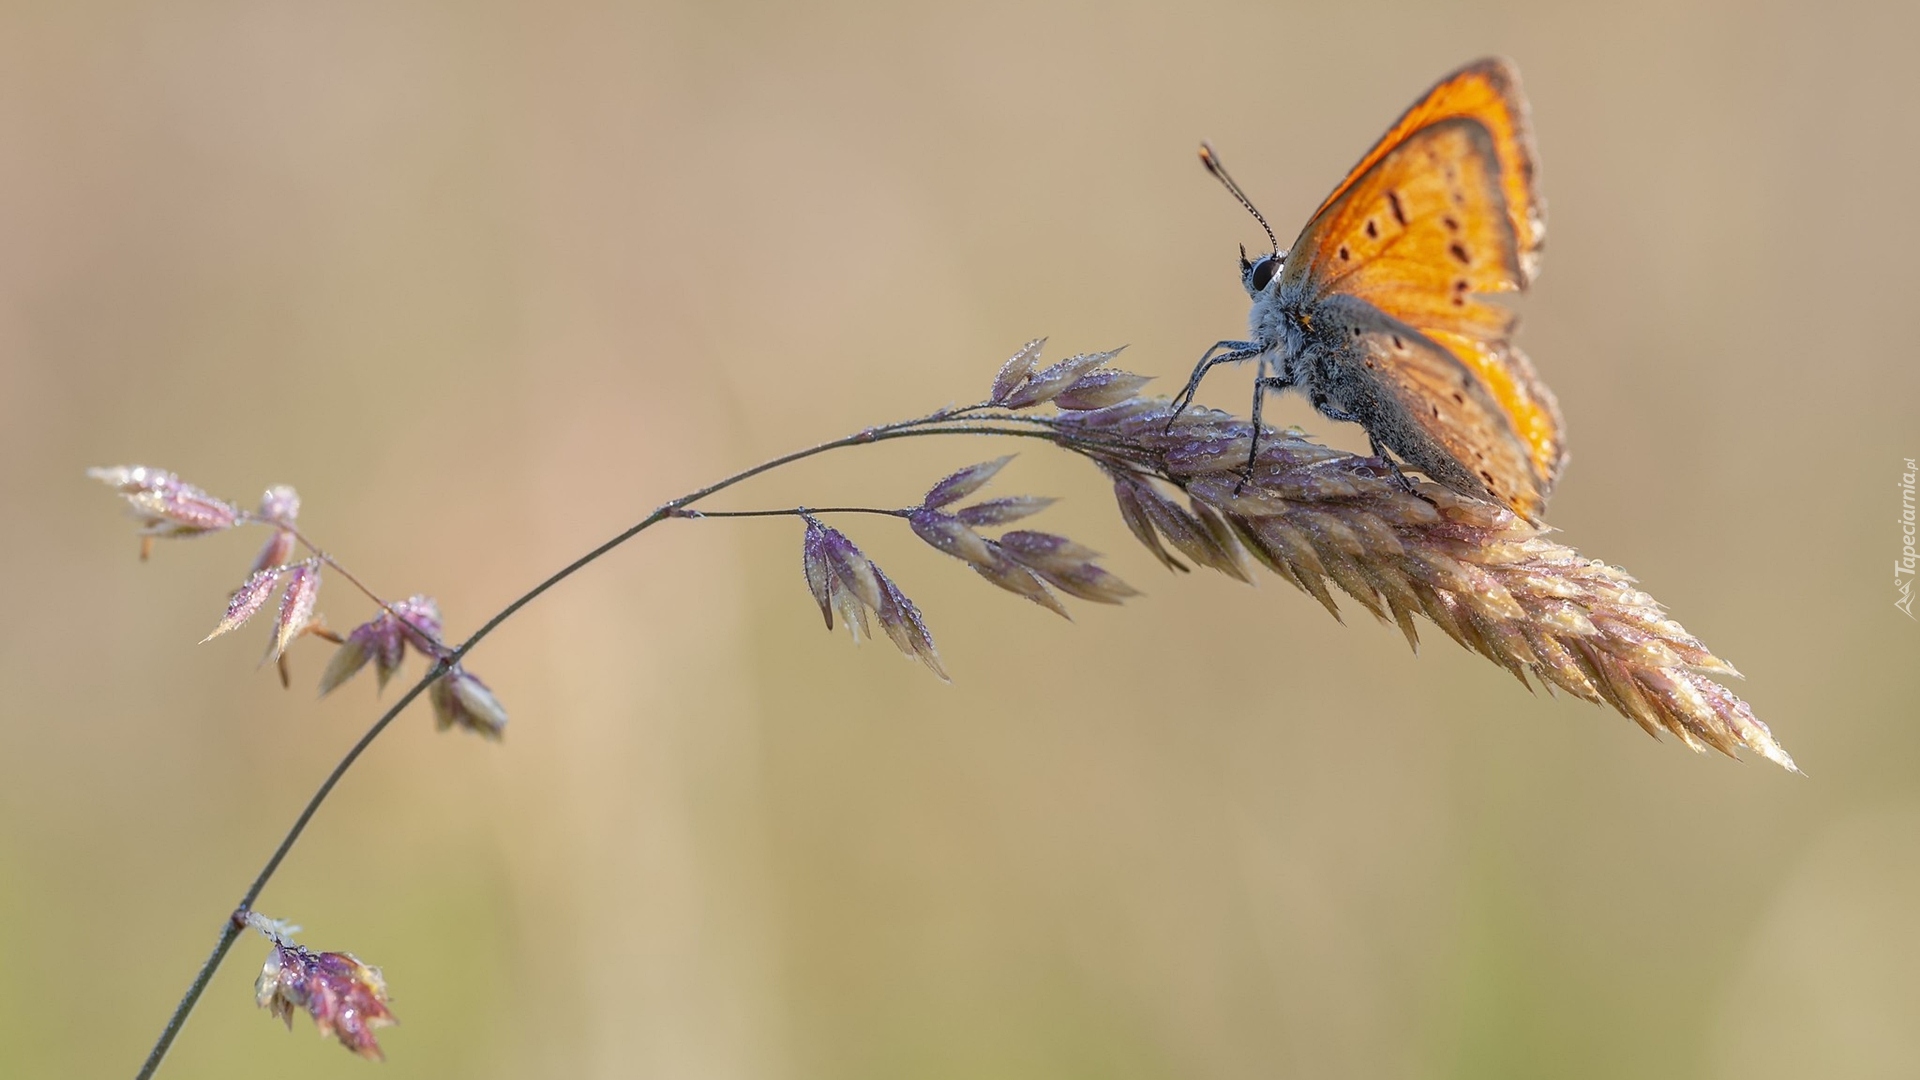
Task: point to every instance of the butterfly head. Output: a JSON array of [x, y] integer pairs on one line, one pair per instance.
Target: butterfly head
[[1258, 274]]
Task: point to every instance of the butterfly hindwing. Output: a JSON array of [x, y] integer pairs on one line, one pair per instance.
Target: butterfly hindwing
[[1416, 397]]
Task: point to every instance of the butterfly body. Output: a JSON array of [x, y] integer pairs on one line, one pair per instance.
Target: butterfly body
[[1376, 312]]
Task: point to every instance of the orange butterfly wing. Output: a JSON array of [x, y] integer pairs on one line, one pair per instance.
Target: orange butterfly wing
[[1487, 91], [1440, 211]]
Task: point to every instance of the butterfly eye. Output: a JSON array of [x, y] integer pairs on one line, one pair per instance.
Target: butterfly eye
[[1263, 271]]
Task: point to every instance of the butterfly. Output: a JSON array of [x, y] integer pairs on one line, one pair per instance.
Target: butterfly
[[1376, 311]]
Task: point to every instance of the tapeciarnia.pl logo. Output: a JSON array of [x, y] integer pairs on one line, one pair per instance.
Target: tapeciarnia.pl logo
[[1903, 567]]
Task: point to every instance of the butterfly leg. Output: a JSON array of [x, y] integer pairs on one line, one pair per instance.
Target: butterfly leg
[[1261, 385], [1327, 410], [1236, 351], [1406, 485], [1380, 452]]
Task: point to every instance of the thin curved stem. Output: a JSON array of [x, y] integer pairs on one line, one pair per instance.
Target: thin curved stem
[[934, 424], [795, 511], [321, 554]]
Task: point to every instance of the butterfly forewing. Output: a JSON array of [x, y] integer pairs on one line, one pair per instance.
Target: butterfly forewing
[[1487, 91], [1422, 230]]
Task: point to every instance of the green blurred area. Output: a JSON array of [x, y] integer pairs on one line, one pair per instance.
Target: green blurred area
[[487, 282]]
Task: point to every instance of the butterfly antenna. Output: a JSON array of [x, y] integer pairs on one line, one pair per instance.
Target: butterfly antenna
[[1212, 161]]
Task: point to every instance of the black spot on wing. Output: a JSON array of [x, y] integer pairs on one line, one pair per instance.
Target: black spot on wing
[[1373, 231], [1458, 251], [1399, 212]]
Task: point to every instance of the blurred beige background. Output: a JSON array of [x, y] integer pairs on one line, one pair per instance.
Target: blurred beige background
[[485, 283]]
